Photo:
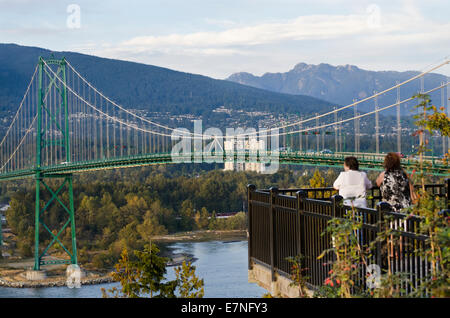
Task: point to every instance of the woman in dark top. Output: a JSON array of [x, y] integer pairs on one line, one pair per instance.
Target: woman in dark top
[[394, 183]]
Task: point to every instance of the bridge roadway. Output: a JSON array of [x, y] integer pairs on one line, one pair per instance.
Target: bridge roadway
[[433, 165]]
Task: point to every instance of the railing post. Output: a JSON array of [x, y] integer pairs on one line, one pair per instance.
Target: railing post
[[336, 205], [382, 207], [1, 235], [250, 188], [301, 195], [447, 196], [273, 195]]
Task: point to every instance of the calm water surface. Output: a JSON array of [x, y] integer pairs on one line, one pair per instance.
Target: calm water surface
[[222, 265]]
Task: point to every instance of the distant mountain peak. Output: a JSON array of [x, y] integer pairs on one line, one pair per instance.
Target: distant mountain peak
[[301, 67], [348, 67], [242, 74]]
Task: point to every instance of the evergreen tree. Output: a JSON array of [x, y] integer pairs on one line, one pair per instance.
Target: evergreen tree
[[190, 286], [187, 215], [143, 276], [212, 221]]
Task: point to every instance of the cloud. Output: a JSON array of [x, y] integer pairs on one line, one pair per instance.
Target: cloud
[[220, 22], [373, 36], [302, 28], [405, 27]]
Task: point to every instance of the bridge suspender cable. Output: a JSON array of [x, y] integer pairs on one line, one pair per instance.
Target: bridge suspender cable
[[284, 126], [20, 144], [20, 106], [115, 104], [30, 128], [360, 101], [362, 115], [21, 117], [107, 115], [447, 61], [133, 126]]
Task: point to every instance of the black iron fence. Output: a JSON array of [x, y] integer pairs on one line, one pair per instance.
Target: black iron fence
[[285, 223]]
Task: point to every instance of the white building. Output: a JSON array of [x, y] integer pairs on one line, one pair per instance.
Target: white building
[[3, 210], [238, 147]]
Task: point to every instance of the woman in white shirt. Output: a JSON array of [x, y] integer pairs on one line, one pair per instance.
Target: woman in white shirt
[[352, 184]]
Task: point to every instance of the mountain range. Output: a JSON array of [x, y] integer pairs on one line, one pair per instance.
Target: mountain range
[[340, 84]]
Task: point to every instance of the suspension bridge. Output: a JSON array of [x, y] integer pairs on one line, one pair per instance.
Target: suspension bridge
[[64, 126]]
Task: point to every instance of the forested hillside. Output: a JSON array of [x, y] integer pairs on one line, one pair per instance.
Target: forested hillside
[[147, 87]]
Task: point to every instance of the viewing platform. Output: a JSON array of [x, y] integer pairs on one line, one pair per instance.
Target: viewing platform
[[286, 223]]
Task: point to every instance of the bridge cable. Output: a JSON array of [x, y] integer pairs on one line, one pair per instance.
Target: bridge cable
[[21, 104], [287, 125]]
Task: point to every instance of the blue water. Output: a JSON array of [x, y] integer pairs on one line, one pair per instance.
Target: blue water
[[223, 267]]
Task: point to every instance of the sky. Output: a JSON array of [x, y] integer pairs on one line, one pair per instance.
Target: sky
[[218, 38]]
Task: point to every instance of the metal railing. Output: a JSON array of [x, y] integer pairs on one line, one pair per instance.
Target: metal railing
[[285, 223]]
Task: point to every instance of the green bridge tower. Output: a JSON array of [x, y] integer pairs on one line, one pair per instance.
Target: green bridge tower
[[54, 131]]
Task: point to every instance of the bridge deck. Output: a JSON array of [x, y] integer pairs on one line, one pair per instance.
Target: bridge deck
[[366, 161]]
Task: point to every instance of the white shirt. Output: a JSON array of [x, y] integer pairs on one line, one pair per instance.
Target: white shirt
[[353, 184]]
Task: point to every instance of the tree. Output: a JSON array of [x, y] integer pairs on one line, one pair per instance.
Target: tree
[[88, 208], [330, 176], [151, 269], [127, 276], [18, 215], [213, 221], [197, 220], [190, 286], [317, 181], [238, 221], [21, 221], [128, 238], [134, 209], [435, 222], [106, 210], [202, 219], [145, 275], [164, 216], [187, 215], [150, 227]]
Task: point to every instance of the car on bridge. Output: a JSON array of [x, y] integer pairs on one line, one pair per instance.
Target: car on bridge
[[326, 152]]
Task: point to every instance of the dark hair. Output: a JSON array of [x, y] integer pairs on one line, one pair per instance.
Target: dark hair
[[352, 163], [392, 161]]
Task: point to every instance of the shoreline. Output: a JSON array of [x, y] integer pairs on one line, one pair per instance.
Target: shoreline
[[176, 259], [57, 283], [15, 277], [202, 236], [55, 276]]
